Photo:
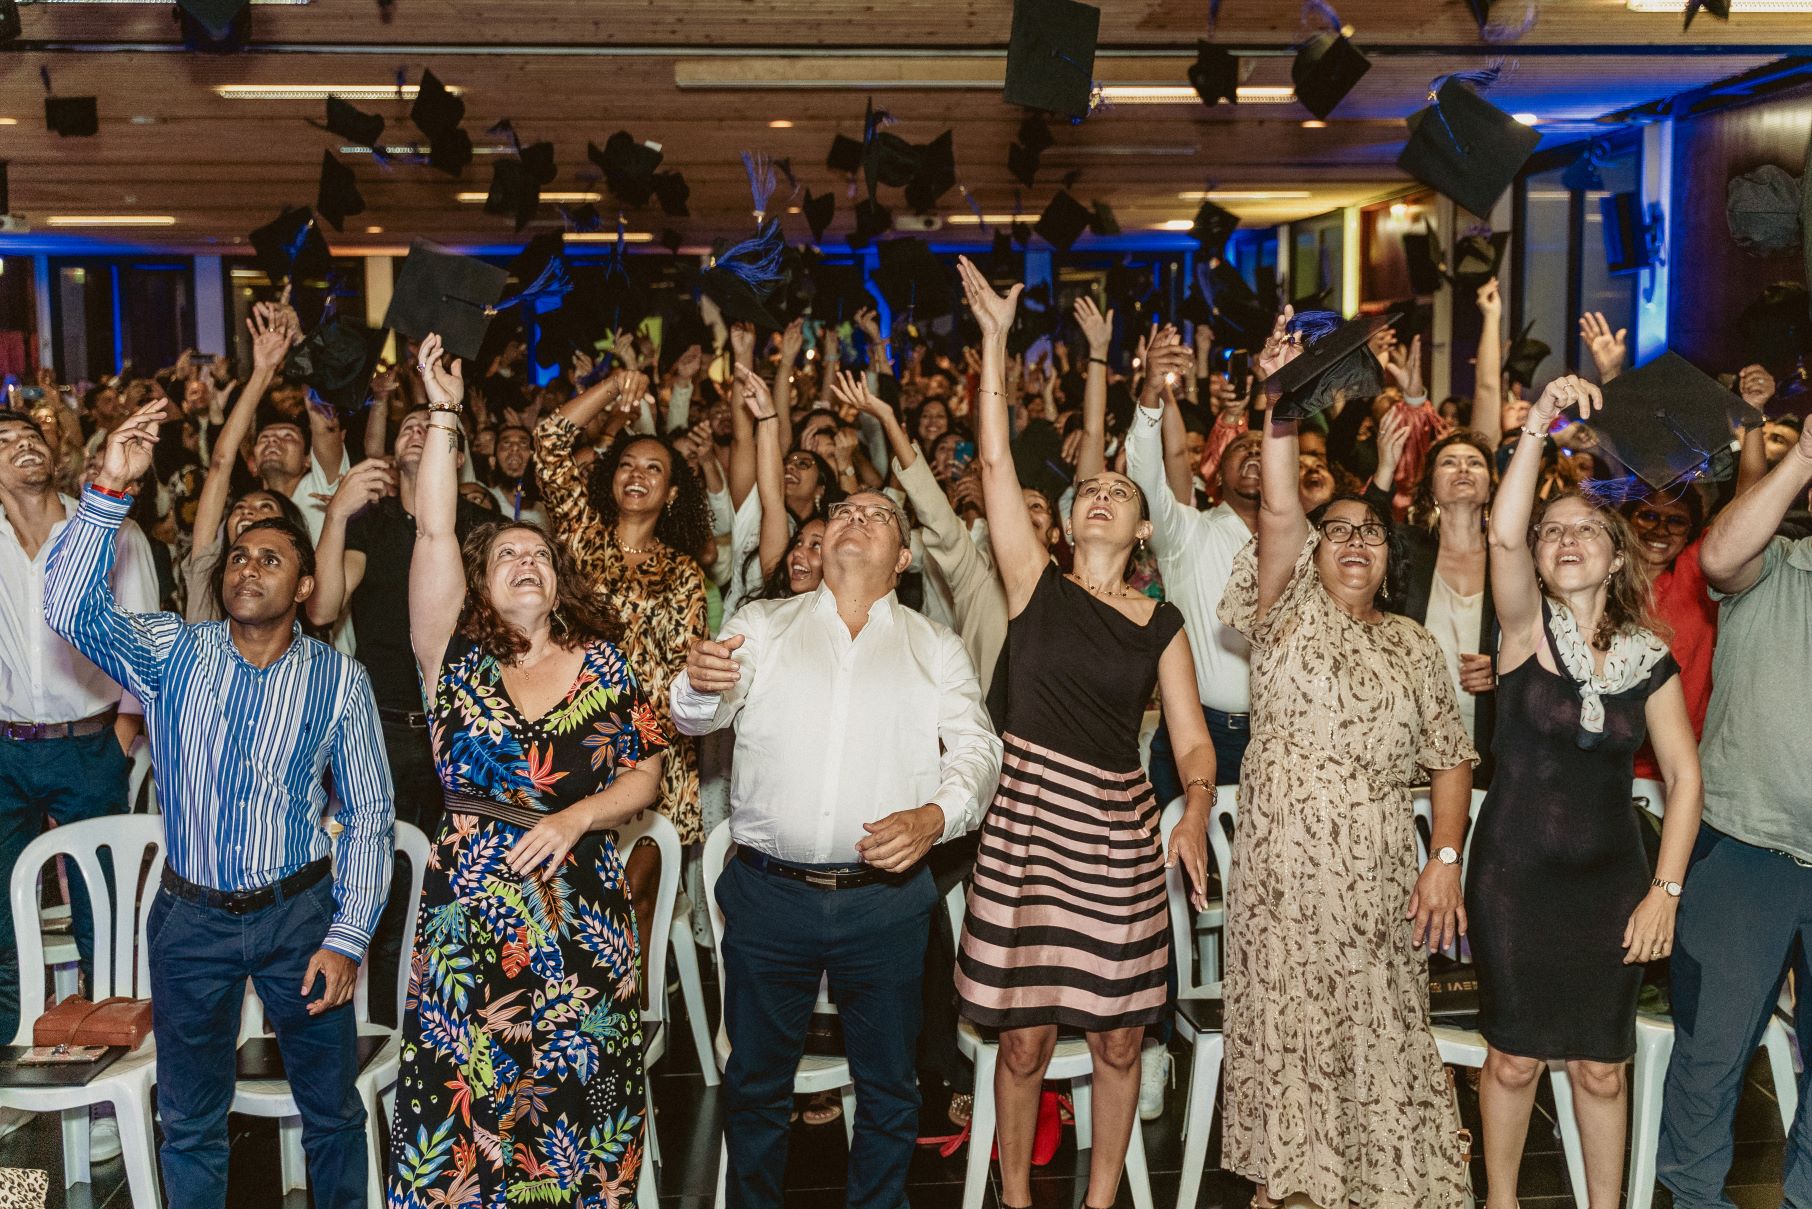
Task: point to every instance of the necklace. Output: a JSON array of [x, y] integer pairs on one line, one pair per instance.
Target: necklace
[[1096, 590], [626, 548]]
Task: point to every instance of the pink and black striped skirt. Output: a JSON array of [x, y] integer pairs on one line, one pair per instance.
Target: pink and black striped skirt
[[1066, 921]]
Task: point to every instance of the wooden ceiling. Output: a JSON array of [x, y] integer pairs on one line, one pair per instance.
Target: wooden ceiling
[[706, 81]]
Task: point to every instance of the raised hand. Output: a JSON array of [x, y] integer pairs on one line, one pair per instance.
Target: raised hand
[[371, 480], [870, 323], [791, 341], [851, 390], [1168, 361], [446, 388], [1608, 349], [1562, 393], [127, 455], [689, 363], [709, 665], [270, 342], [582, 365], [1756, 385], [1097, 329], [1491, 303], [1393, 438], [993, 312], [754, 393], [1279, 348], [742, 343]]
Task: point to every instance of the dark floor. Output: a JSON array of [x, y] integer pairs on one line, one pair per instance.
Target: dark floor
[[688, 1116]]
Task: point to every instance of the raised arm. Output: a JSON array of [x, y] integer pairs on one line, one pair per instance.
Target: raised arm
[[1732, 553], [1018, 553], [1608, 348], [269, 345], [1515, 593], [339, 571], [1091, 459], [1282, 524], [742, 426], [564, 490], [437, 577], [1757, 387], [770, 489], [792, 341], [1488, 369]]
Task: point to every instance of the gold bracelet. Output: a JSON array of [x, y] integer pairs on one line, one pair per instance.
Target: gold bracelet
[[454, 408], [1194, 781]]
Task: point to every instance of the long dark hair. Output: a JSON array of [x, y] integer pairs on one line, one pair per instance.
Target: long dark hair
[[1391, 589], [779, 583], [577, 617], [684, 524]]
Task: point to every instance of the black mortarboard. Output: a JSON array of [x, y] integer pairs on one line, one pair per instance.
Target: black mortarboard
[[215, 17], [1034, 134], [1022, 162], [845, 154], [1326, 68], [1241, 321], [1213, 227], [514, 193], [888, 159], [1338, 360], [672, 240], [838, 292], [1669, 423], [1476, 259], [1102, 221], [628, 166], [335, 361], [1466, 147], [538, 162], [1003, 266], [450, 152], [819, 209], [1422, 255], [672, 191], [290, 247], [337, 198], [437, 113], [685, 328], [746, 276], [1214, 75], [935, 174], [1051, 56], [352, 124], [912, 279], [1035, 319], [1762, 208], [438, 291], [1522, 360], [1063, 221], [72, 117], [872, 218], [1717, 8], [1413, 319]]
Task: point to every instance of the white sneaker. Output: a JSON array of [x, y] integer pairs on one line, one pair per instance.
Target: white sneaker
[[104, 1139], [1154, 1074]]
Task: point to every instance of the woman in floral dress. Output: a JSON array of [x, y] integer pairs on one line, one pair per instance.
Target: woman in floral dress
[[521, 1074]]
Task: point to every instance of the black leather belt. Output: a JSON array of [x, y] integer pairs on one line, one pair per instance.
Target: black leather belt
[[1228, 721], [81, 729], [840, 878], [413, 719], [244, 902]]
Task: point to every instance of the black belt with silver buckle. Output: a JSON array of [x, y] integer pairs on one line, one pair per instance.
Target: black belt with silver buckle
[[244, 902], [1229, 721], [842, 878], [82, 728], [413, 719]]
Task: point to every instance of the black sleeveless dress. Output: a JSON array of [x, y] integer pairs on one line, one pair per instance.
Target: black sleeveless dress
[[1556, 868]]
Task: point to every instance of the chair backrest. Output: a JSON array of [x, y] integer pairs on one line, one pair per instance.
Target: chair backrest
[[139, 777], [655, 826], [120, 891], [1650, 796], [717, 851], [412, 845], [1221, 821], [1182, 917]]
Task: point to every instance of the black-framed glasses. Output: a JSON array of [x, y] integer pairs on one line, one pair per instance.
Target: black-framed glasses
[[1341, 532], [862, 514], [1667, 522]]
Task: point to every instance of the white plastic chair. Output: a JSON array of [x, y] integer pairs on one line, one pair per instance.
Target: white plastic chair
[[376, 1081], [121, 967], [816, 1073], [139, 780], [692, 994], [1070, 1060], [1655, 1046], [656, 827], [1198, 995]]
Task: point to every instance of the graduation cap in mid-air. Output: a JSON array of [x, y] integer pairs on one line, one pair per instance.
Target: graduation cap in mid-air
[[872, 218], [1326, 68], [1213, 227], [1063, 221], [845, 155], [746, 276], [629, 167], [1522, 360], [335, 361], [1670, 424], [935, 174], [1336, 357], [1477, 257], [440, 291], [1422, 255], [337, 196], [437, 113], [72, 117], [215, 25], [1051, 56], [354, 125], [290, 248], [819, 209], [912, 279], [1214, 75], [1465, 147], [1022, 162]]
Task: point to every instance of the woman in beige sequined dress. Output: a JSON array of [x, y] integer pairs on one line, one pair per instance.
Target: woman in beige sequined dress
[[1334, 1091]]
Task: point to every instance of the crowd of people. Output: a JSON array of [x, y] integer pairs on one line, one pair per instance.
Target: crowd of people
[[896, 609]]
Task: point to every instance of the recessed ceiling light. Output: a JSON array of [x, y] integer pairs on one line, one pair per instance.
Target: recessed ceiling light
[[1527, 119], [780, 124], [578, 197], [110, 220], [1238, 195], [1183, 94], [794, 210], [374, 230], [1314, 124], [1177, 224], [319, 92]]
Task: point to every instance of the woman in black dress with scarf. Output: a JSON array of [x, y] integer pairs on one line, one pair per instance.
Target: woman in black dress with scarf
[[1561, 903], [1067, 923]]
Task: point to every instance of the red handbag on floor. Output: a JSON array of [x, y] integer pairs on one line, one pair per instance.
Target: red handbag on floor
[[1054, 1112]]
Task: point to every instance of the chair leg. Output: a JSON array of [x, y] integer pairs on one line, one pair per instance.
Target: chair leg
[[647, 1193], [75, 1147], [1779, 1048], [849, 1113], [291, 1158], [1570, 1147], [137, 1147], [1082, 1108], [1204, 1082], [374, 1145], [723, 1173], [1208, 955], [981, 1130], [1654, 1046], [1138, 1175], [692, 993]]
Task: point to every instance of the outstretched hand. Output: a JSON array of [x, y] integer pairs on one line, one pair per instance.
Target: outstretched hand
[[1279, 348], [446, 388], [754, 393], [127, 455], [993, 312]]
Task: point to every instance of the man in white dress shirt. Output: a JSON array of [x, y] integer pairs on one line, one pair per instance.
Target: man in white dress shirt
[[861, 742]]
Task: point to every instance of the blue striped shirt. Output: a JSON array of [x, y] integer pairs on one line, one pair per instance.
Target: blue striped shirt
[[240, 751]]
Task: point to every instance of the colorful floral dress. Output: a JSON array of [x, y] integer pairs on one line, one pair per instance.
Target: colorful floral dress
[[522, 1057]]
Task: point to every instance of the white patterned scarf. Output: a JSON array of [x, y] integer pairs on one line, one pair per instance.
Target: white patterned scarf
[[1631, 657]]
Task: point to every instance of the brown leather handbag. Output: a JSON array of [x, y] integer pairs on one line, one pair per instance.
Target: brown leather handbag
[[120, 1020]]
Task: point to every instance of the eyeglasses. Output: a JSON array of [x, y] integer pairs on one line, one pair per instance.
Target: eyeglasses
[[1553, 532], [862, 514], [1671, 522], [801, 461], [1341, 532]]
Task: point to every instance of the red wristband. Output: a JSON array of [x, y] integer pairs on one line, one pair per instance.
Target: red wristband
[[109, 492]]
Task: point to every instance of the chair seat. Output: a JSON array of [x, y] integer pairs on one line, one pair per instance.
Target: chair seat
[[260, 1089], [136, 1068], [1201, 1013]]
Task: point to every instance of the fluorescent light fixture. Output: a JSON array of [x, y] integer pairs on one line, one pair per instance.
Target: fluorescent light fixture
[[1676, 7], [320, 92], [608, 237], [780, 124], [110, 220], [557, 198], [1245, 195], [421, 149], [1527, 119], [1183, 94], [9, 121], [968, 219], [1177, 224], [1314, 124]]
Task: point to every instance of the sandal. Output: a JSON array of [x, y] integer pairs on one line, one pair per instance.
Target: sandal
[[962, 1108], [822, 1109]]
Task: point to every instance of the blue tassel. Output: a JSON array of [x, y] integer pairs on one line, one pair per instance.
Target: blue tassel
[[1309, 326], [762, 181], [1481, 80], [551, 284], [1613, 493], [756, 261], [1319, 14]]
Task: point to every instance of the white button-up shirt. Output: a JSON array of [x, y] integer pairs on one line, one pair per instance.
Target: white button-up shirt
[[833, 732], [42, 677], [1195, 552]]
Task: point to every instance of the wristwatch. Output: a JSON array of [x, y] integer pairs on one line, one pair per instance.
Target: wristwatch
[[1447, 856], [1672, 888]]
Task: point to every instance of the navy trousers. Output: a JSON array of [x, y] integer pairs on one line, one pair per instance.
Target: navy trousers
[[200, 960], [1742, 910], [1230, 739], [781, 937]]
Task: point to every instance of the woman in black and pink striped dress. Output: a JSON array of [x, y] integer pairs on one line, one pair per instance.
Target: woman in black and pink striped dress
[[1066, 925]]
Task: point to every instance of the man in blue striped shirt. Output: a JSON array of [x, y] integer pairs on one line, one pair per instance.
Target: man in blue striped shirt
[[249, 723]]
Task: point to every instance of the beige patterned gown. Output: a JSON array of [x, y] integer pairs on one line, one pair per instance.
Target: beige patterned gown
[[1333, 1086]]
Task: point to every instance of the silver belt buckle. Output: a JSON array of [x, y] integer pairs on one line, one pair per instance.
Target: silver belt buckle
[[821, 878]]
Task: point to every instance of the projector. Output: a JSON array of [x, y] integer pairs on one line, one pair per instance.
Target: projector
[[918, 222], [14, 224]]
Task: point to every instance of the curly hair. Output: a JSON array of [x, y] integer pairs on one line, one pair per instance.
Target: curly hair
[[1629, 600], [1391, 588], [577, 617], [684, 524], [1423, 510]]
